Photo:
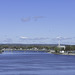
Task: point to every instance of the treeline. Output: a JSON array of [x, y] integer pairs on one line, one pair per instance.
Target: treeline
[[27, 46], [38, 46], [70, 48]]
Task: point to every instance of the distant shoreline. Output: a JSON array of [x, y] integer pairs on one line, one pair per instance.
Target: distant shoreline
[[62, 53], [42, 51]]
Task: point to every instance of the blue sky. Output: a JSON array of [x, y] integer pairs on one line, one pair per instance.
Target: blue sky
[[37, 21]]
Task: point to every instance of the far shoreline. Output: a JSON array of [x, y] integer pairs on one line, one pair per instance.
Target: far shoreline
[[63, 53], [42, 51]]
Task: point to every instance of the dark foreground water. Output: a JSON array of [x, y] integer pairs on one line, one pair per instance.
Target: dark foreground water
[[36, 63]]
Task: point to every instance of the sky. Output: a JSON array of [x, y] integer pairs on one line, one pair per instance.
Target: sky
[[37, 21]]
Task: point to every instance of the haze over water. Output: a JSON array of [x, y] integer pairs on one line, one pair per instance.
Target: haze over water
[[36, 63]]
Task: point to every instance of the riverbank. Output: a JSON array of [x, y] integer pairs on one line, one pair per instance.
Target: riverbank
[[66, 53], [62, 53]]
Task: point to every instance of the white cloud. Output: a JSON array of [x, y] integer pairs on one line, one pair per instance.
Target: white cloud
[[62, 38], [26, 38], [23, 37]]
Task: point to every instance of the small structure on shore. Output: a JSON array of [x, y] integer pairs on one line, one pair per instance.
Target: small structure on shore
[[61, 47]]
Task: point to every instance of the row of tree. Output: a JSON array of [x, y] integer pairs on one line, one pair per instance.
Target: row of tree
[[47, 47]]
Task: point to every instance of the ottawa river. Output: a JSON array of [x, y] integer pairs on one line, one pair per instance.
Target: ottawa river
[[36, 63]]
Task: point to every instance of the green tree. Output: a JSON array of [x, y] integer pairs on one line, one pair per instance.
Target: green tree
[[57, 49]]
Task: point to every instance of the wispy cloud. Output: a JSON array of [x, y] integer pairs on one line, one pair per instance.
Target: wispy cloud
[[23, 38], [35, 18], [27, 38], [8, 40], [26, 19], [38, 17], [41, 38], [62, 38]]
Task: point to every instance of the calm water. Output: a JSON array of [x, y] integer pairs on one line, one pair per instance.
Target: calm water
[[36, 63]]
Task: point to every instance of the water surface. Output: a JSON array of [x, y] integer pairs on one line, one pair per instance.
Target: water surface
[[36, 63]]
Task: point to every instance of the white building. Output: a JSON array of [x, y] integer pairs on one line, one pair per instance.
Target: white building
[[62, 51]]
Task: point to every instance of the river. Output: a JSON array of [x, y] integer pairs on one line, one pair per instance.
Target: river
[[36, 63]]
